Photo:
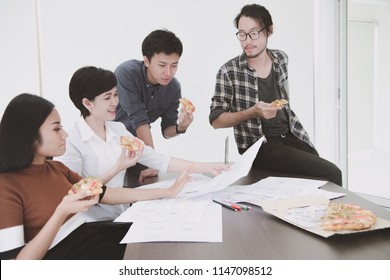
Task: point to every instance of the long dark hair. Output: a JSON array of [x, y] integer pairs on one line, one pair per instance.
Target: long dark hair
[[19, 130]]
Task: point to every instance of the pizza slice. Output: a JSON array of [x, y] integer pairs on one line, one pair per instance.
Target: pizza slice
[[187, 105], [279, 103], [91, 183], [132, 144], [344, 216]]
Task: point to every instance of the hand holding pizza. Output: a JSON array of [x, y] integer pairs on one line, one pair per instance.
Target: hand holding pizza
[[127, 159], [187, 105], [186, 114], [132, 143], [279, 103], [91, 184], [77, 202], [265, 110]]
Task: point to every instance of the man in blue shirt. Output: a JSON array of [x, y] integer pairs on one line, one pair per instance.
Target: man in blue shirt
[[148, 91]]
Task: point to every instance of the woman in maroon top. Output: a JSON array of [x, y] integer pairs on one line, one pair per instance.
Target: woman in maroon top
[[34, 203]]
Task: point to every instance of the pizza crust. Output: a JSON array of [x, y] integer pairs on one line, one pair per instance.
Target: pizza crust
[[187, 105], [279, 103], [131, 143], [91, 183], [344, 216]]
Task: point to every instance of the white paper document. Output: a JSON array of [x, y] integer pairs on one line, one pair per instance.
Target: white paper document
[[177, 209], [207, 229], [190, 216], [274, 188], [201, 184]]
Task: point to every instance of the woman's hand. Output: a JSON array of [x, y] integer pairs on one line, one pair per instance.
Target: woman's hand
[[183, 179], [78, 202], [127, 159], [218, 168]]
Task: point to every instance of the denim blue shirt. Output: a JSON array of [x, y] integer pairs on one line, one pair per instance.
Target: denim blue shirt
[[143, 103]]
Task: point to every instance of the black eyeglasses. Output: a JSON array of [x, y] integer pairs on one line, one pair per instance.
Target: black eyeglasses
[[254, 35]]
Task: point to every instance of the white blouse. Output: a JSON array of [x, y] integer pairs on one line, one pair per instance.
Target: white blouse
[[89, 155]]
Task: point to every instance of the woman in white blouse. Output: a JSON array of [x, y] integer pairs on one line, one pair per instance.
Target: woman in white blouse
[[93, 147]]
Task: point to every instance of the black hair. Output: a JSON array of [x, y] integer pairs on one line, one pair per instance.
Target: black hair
[[161, 41], [258, 13], [89, 82], [19, 130]]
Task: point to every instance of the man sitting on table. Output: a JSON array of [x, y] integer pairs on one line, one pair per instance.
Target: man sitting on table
[[245, 88]]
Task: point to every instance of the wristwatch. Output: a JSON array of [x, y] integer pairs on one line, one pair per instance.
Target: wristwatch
[[179, 131]]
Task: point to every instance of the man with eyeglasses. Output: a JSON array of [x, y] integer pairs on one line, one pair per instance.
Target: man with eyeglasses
[[245, 88]]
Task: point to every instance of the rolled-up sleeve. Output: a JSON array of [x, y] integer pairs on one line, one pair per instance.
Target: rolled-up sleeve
[[223, 95], [130, 98], [155, 160]]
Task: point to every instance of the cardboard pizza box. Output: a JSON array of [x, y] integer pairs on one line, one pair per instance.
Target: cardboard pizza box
[[306, 212]]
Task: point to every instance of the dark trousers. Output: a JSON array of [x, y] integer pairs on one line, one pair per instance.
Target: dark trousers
[[92, 241], [132, 175], [289, 154]]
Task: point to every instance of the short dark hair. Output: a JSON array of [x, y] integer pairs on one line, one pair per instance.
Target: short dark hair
[[161, 41], [19, 130], [257, 13], [89, 82]]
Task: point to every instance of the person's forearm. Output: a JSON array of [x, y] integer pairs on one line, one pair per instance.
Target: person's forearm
[[144, 133], [110, 174], [37, 248], [170, 132], [229, 119], [130, 195], [177, 165]]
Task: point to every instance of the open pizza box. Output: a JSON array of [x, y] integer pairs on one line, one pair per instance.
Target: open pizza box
[[306, 213]]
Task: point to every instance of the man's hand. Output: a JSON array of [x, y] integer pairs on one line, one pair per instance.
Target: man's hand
[[265, 110], [146, 173], [185, 119]]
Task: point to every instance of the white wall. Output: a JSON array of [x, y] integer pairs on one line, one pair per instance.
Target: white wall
[[378, 134], [103, 33], [18, 50]]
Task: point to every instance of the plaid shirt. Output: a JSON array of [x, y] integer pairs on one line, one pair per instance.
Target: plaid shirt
[[236, 90]]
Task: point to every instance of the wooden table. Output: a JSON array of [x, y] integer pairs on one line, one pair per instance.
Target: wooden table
[[258, 235]]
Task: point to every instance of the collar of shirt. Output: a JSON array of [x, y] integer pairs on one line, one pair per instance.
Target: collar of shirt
[[151, 88], [87, 133], [243, 62]]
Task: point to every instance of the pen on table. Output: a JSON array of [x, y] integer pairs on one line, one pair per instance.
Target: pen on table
[[242, 206], [228, 205]]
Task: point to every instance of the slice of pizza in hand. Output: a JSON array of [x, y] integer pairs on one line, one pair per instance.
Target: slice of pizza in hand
[[187, 105], [131, 143], [279, 103], [345, 216], [91, 183]]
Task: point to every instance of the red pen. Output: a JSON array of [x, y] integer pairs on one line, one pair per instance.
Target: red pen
[[228, 205], [235, 206], [242, 206]]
